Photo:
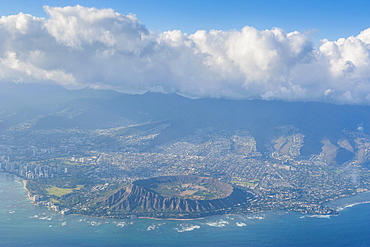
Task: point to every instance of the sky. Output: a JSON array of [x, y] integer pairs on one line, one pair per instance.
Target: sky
[[240, 49], [331, 19]]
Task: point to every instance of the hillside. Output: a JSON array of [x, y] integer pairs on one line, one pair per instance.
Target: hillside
[[140, 199]]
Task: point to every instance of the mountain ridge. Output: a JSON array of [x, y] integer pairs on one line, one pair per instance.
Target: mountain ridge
[[94, 109], [137, 199]]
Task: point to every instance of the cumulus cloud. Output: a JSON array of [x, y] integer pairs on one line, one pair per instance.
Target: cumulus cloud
[[87, 47]]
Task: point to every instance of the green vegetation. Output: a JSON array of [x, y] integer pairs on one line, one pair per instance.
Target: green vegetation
[[250, 183], [192, 191], [80, 186], [53, 200], [57, 191], [59, 162], [205, 194]]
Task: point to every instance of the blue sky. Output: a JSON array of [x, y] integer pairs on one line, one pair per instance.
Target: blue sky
[[331, 19], [283, 50]]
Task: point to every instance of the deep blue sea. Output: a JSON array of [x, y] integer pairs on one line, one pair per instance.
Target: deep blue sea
[[23, 224]]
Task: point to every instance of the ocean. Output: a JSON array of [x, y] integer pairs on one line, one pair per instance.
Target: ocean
[[23, 224]]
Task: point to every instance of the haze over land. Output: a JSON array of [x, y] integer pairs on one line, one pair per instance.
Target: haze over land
[[79, 147], [80, 47]]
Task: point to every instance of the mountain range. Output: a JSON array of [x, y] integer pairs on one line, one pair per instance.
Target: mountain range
[[325, 127]]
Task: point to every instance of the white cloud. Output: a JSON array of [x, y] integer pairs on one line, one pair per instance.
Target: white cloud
[[30, 72], [78, 26], [79, 47]]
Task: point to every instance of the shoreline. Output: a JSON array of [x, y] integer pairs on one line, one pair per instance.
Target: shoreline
[[152, 218], [348, 202], [25, 182], [355, 204], [337, 204]]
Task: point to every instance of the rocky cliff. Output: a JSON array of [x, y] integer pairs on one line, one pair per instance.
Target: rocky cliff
[[137, 198]]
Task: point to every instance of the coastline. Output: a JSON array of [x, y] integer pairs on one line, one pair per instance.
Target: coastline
[[338, 204], [25, 182], [347, 202], [279, 228], [354, 204], [334, 204], [178, 219]]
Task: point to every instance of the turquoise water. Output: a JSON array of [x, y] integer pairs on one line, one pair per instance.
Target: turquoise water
[[22, 224]]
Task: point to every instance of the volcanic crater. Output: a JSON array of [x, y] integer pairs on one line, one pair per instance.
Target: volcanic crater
[[175, 196]]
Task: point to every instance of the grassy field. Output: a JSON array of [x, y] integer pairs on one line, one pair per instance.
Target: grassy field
[[56, 191], [192, 191]]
